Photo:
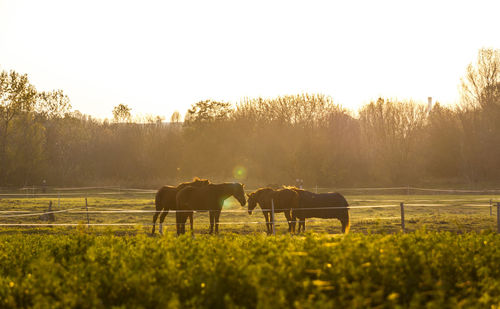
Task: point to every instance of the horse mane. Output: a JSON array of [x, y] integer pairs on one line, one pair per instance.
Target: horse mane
[[263, 189], [294, 188], [195, 179]]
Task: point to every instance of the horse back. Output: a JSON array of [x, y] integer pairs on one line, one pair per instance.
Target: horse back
[[324, 205], [165, 198], [286, 199], [195, 198]]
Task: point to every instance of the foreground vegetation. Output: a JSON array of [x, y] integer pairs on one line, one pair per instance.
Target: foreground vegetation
[[84, 270]]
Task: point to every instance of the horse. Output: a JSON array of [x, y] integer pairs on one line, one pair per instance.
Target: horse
[[284, 201], [206, 198], [165, 200], [324, 205]]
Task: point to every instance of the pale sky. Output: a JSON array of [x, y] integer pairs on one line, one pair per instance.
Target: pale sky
[[162, 56]]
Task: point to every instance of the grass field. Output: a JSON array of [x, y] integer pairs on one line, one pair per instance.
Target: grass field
[[458, 213], [449, 259]]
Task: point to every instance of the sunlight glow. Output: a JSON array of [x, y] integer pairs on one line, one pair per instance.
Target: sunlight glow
[[162, 56]]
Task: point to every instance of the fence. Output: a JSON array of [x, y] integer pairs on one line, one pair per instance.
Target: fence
[[94, 210]]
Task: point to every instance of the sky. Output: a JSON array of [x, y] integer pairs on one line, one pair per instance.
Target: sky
[[161, 56]]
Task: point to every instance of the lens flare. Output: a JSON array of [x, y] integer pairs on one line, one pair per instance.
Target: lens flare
[[227, 204], [239, 172]]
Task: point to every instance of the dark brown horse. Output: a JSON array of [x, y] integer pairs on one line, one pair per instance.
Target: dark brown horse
[[206, 198], [284, 200], [165, 200], [324, 205]]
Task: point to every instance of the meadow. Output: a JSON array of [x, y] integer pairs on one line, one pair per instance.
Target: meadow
[[448, 258], [134, 211]]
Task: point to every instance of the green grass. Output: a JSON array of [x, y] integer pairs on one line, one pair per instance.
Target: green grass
[[421, 269], [459, 216]]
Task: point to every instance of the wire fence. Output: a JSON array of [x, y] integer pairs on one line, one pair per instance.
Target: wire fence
[[115, 190]]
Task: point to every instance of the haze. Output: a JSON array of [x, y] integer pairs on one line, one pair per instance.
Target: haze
[[158, 57]]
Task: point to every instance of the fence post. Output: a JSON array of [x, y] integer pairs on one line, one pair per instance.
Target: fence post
[[58, 200], [272, 217], [498, 217], [87, 208], [491, 208], [402, 205]]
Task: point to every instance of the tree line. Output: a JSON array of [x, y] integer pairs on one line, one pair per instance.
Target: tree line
[[258, 140]]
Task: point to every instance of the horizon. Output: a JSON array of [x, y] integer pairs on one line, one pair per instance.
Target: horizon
[[158, 58]]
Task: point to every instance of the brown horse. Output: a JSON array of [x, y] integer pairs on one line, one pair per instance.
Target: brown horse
[[206, 198], [324, 205], [284, 200], [165, 200]]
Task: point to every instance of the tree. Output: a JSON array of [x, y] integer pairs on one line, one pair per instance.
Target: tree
[[176, 117], [481, 84], [391, 132], [53, 104], [480, 116], [121, 113], [208, 111], [442, 151], [17, 96]]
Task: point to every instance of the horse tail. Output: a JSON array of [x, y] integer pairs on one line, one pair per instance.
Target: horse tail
[[158, 200], [346, 222]]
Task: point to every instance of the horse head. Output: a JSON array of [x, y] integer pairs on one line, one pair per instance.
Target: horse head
[[239, 193], [252, 202]]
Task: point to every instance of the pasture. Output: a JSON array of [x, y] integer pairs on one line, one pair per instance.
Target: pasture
[[449, 256], [133, 211]]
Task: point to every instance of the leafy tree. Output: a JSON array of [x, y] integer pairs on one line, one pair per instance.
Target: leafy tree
[[17, 96], [121, 113], [208, 111]]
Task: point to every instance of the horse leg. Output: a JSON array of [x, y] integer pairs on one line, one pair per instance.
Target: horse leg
[[300, 224], [162, 218], [178, 222], [268, 226], [184, 219], [289, 220], [155, 216], [293, 223], [191, 222], [217, 214], [212, 220]]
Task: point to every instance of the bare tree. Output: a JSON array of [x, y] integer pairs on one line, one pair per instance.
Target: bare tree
[[481, 84], [176, 117]]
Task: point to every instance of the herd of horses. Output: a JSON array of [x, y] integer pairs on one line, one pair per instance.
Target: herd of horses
[[202, 195]]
